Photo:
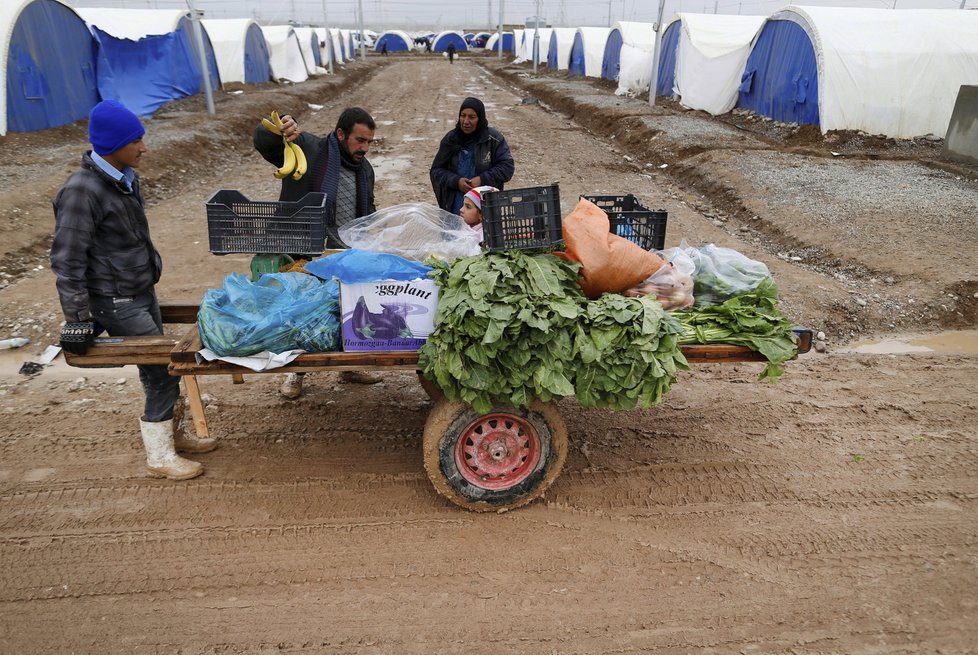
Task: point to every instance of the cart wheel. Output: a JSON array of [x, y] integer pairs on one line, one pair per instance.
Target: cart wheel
[[430, 388], [497, 461]]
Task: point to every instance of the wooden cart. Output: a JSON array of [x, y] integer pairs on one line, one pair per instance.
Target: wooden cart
[[484, 462]]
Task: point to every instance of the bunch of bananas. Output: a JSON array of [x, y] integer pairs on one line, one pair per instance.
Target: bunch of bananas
[[295, 159]]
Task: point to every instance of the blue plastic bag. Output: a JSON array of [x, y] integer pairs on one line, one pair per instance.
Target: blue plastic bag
[[355, 265], [279, 312]]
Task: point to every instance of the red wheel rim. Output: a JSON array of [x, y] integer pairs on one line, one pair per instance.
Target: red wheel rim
[[497, 451]]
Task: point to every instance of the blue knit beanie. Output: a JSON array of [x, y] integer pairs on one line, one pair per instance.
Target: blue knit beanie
[[112, 126]]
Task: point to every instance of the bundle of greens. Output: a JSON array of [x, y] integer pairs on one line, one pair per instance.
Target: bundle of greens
[[748, 319], [504, 329], [628, 352]]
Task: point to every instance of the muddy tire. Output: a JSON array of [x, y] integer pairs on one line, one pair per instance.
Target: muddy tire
[[497, 461]]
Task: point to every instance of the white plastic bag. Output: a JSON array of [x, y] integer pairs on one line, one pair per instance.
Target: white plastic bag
[[413, 230]]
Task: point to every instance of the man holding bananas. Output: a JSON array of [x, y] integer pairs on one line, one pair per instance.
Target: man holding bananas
[[335, 165], [106, 269]]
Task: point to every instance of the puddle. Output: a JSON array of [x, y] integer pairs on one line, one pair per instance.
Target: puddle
[[386, 167], [414, 138], [955, 341]]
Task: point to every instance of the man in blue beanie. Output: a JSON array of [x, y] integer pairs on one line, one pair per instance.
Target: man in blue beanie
[[106, 270]]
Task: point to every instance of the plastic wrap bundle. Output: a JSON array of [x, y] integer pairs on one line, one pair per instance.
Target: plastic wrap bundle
[[414, 230], [279, 312], [722, 273]]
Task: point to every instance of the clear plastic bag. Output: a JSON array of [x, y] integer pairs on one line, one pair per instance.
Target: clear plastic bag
[[414, 230], [722, 273], [670, 285], [279, 312]]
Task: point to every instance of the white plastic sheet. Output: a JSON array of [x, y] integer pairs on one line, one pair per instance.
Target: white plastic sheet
[[713, 50]]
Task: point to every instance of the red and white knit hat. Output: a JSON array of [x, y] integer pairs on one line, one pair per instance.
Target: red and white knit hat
[[475, 195]]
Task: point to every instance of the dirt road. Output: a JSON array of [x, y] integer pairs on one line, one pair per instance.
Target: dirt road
[[834, 512]]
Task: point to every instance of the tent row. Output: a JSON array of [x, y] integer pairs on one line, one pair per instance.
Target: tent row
[[143, 58], [882, 71]]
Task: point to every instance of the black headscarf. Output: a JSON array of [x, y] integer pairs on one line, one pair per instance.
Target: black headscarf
[[480, 110]]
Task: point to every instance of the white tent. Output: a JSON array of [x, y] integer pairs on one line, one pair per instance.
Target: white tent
[[889, 72], [307, 36], [240, 50], [544, 44], [519, 46], [635, 56], [339, 50], [346, 40], [587, 52], [558, 54], [713, 50], [284, 53]]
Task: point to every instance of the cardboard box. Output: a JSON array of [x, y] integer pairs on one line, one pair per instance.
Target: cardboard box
[[387, 314]]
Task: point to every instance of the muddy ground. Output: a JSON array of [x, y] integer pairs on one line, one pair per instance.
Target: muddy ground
[[833, 512]]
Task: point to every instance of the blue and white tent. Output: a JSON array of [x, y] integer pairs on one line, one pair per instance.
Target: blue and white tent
[[587, 51], [713, 50], [508, 42], [558, 54], [148, 57], [441, 41], [309, 44], [44, 86], [538, 49], [337, 47], [396, 40], [240, 50], [666, 78], [882, 71], [628, 37], [284, 53]]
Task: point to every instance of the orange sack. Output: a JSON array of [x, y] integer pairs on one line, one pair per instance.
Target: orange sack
[[609, 263]]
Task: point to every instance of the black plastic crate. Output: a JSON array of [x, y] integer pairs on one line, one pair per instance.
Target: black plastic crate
[[520, 219], [629, 219], [236, 224]]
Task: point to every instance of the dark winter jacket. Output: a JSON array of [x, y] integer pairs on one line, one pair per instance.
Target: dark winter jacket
[[493, 164], [102, 244], [269, 146]]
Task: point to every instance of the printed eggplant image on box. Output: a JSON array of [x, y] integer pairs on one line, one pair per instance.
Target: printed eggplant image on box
[[388, 314]]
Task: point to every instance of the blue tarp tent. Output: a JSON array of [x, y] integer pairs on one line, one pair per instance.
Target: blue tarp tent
[[781, 76], [508, 42], [147, 57], [587, 51], [640, 36], [561, 40], [47, 85], [440, 43], [396, 40], [667, 58], [881, 71], [240, 50]]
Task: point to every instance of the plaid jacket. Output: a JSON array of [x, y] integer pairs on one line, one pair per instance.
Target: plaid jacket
[[101, 242]]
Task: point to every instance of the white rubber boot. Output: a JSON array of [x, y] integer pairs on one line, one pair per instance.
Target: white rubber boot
[[181, 440], [292, 387], [161, 458]]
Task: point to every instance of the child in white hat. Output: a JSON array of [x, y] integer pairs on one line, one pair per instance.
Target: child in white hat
[[471, 211]]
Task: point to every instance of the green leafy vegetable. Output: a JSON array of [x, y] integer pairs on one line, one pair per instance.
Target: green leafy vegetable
[[628, 353], [511, 327], [504, 329], [749, 319]]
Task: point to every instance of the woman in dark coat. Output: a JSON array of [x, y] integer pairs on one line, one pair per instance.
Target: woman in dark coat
[[470, 156]]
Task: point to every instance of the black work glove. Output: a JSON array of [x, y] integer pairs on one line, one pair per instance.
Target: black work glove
[[77, 337]]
